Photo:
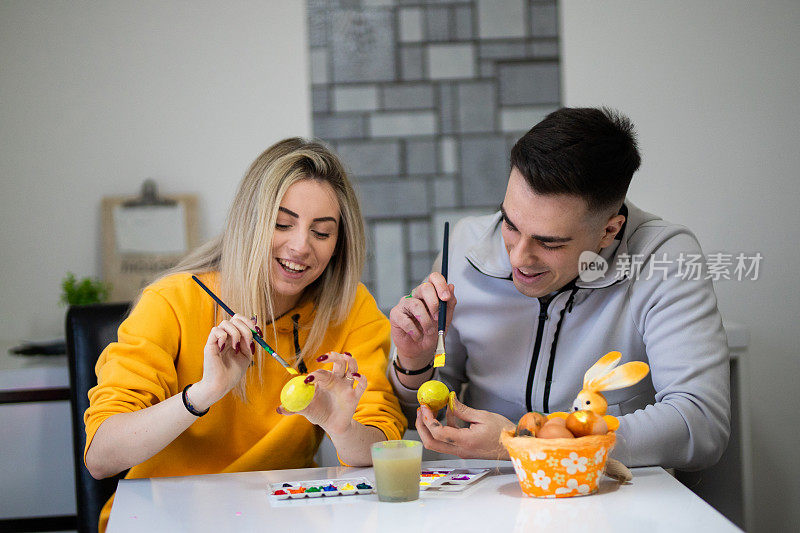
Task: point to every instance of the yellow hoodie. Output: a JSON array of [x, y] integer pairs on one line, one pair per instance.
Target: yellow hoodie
[[160, 351]]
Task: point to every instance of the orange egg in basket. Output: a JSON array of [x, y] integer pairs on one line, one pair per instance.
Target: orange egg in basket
[[558, 468]]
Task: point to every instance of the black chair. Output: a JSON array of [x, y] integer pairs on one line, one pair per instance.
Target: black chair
[[90, 328]]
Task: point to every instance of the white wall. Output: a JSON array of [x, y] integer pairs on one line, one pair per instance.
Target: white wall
[[97, 96], [714, 90]]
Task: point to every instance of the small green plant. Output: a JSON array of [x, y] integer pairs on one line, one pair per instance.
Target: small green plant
[[84, 291]]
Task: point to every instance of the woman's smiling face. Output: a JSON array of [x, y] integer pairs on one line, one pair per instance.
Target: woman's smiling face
[[305, 238]]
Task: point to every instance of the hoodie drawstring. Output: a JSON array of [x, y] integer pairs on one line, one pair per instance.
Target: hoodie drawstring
[[296, 334]]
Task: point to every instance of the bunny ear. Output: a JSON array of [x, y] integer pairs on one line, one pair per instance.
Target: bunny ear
[[603, 366], [624, 376]]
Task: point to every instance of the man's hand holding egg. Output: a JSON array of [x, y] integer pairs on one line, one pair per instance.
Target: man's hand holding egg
[[477, 440]]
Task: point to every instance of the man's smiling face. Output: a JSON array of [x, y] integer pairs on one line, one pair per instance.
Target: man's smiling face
[[544, 236]]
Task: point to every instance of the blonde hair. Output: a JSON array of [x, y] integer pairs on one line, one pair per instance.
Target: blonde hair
[[238, 253]]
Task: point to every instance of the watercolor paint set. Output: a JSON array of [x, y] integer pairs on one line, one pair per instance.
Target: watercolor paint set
[[319, 488], [450, 479], [435, 479]]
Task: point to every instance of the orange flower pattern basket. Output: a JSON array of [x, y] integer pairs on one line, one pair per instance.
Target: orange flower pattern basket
[[558, 468]]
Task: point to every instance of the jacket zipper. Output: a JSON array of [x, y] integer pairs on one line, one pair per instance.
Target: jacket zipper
[[549, 378], [536, 346]]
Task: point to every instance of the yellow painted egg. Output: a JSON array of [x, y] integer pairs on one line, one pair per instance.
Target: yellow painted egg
[[434, 394], [296, 394]]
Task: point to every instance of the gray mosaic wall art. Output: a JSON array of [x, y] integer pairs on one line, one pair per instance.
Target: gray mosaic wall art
[[423, 101]]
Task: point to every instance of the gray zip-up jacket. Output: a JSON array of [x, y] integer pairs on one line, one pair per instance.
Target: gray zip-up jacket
[[516, 355]]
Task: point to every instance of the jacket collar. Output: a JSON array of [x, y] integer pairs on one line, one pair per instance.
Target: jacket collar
[[489, 256]]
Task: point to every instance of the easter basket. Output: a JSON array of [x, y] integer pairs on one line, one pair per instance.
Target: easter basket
[[558, 468]]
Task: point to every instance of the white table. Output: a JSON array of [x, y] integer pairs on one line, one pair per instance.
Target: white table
[[653, 502]]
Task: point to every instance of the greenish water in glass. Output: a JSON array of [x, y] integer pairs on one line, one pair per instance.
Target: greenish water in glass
[[397, 466]]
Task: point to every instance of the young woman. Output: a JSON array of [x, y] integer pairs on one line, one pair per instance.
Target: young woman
[[186, 391]]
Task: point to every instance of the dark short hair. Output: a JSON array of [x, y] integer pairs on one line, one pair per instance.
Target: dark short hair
[[586, 152]]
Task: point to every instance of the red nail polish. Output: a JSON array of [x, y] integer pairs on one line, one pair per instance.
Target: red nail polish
[[348, 354], [236, 348], [356, 375], [308, 380], [252, 347], [258, 330], [321, 358]]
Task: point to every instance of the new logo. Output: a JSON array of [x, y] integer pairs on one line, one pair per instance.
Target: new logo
[[591, 266]]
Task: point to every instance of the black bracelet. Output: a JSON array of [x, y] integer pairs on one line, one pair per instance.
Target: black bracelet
[[412, 372], [189, 406]]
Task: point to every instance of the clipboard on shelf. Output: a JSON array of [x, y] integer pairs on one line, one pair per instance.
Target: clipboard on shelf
[[143, 236]]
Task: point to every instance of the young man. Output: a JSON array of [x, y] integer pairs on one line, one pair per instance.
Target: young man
[[529, 322]]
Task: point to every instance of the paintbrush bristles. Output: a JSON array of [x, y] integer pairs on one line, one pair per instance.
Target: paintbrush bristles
[[438, 358]]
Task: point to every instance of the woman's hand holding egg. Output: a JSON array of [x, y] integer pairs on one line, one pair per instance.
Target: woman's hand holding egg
[[297, 394], [335, 398]]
